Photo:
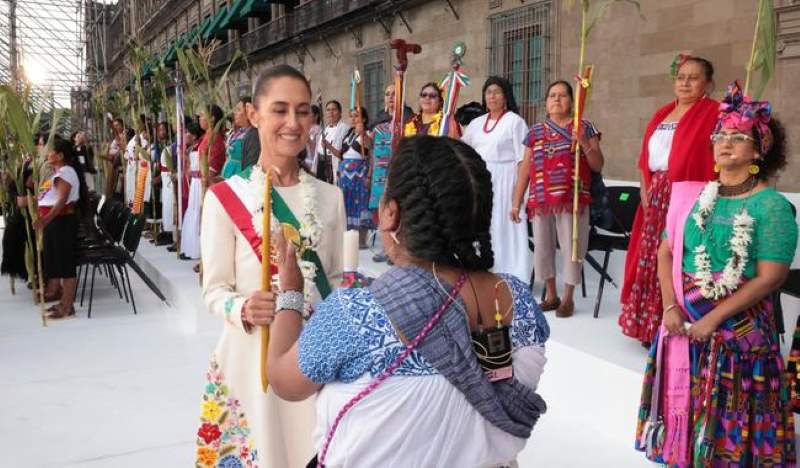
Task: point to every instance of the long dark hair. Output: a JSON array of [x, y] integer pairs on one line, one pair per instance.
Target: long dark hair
[[67, 149], [508, 92], [444, 192]]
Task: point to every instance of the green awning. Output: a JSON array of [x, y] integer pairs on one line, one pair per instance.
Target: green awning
[[172, 55], [201, 30], [254, 8], [170, 51], [214, 28], [233, 14]]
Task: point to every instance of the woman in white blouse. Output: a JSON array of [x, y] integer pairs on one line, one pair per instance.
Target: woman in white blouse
[[498, 137], [58, 200]]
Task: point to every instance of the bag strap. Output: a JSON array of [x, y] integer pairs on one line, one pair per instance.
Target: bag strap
[[451, 297]]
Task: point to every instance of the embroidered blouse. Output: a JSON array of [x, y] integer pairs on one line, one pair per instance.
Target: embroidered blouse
[[552, 168], [774, 232], [350, 335]]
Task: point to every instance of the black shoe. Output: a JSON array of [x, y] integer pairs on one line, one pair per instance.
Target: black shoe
[[172, 248], [164, 238], [380, 258], [184, 257]]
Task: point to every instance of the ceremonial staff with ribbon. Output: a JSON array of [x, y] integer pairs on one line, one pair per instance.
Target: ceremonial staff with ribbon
[[355, 105], [402, 49], [452, 84], [589, 19]]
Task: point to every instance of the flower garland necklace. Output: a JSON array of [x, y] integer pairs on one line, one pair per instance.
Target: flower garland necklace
[[740, 240], [310, 228]]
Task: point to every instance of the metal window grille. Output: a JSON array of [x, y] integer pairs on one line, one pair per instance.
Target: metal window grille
[[372, 66], [522, 49]]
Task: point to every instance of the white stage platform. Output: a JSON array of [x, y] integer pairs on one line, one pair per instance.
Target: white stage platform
[[120, 390]]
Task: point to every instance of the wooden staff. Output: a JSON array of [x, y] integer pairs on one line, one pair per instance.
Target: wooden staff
[[582, 90], [266, 274], [575, 124], [355, 104], [402, 48]]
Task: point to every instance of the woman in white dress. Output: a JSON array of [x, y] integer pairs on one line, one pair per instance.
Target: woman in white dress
[[138, 143], [498, 137], [241, 424], [441, 401], [190, 227]]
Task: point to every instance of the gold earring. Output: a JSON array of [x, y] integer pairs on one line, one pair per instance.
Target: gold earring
[[753, 169], [717, 168]]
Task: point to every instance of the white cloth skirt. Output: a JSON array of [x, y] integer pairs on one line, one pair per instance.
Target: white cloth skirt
[[190, 232], [418, 421], [167, 203], [509, 240], [130, 181]]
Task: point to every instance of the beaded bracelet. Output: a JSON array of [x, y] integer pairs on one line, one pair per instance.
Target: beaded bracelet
[[290, 300]]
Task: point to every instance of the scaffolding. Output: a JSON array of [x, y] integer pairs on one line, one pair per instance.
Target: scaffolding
[[47, 42]]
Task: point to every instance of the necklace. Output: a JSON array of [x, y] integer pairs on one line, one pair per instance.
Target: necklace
[[743, 224], [738, 189], [486, 123]]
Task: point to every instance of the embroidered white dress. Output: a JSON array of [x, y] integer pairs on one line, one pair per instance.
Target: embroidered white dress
[[167, 192], [502, 149], [131, 161], [416, 418], [262, 430], [190, 229]]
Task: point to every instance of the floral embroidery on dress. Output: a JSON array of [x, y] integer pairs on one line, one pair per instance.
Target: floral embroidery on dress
[[223, 439]]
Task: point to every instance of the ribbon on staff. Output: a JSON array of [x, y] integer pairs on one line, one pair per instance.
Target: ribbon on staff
[[452, 84]]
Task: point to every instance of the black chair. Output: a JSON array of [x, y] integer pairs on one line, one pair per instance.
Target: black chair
[[613, 234], [118, 257]]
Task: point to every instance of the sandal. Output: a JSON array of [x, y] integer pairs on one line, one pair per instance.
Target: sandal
[[552, 305], [56, 313]]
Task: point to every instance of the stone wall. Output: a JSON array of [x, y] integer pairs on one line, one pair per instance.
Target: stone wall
[[631, 57]]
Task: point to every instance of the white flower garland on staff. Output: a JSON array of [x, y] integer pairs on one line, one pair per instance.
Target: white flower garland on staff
[[740, 240], [310, 227]]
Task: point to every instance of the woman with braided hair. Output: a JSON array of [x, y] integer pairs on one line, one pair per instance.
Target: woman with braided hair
[[462, 396]]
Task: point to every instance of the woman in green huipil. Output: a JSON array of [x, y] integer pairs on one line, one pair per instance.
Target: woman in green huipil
[[239, 146], [715, 384]]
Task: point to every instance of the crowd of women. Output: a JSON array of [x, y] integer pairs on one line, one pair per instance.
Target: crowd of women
[[399, 363], [437, 362]]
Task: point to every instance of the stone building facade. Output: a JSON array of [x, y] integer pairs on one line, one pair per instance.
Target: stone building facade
[[532, 42]]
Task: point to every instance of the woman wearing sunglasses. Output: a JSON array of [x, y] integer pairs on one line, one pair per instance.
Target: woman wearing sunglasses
[[429, 118], [727, 247]]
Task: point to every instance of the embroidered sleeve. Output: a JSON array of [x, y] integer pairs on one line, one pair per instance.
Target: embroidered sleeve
[[530, 139], [218, 244], [331, 348], [776, 231], [529, 327]]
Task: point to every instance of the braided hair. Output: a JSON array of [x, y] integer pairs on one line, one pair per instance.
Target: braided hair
[[444, 192]]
